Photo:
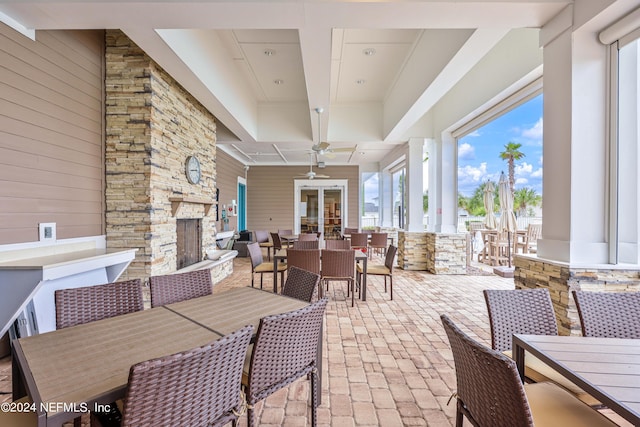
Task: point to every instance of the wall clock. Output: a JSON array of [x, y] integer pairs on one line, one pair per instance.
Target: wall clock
[[192, 169]]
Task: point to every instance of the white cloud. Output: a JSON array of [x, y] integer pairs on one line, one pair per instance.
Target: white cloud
[[521, 181], [537, 173], [474, 134], [472, 174], [466, 151], [535, 132], [523, 168]]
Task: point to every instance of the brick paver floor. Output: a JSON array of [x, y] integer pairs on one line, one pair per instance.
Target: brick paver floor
[[385, 363]]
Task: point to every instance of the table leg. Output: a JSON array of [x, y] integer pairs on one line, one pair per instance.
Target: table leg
[[518, 354], [275, 273], [363, 291]]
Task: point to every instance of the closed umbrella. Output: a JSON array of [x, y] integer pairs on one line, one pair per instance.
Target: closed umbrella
[[490, 218], [507, 217]]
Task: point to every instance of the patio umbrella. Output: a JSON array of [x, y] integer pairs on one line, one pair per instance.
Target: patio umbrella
[[490, 218], [507, 217]]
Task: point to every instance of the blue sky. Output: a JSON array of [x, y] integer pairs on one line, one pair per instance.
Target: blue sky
[[479, 152]]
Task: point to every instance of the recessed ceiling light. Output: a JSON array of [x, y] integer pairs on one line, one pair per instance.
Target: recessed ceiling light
[[369, 52], [269, 52], [279, 81], [360, 81]]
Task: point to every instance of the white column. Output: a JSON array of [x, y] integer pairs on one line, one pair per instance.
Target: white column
[[448, 209], [575, 152], [435, 186], [386, 199], [414, 167]]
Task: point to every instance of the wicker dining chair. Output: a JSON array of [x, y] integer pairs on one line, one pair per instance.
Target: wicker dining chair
[[307, 259], [378, 244], [306, 237], [385, 269], [359, 241], [170, 288], [285, 349], [337, 244], [284, 232], [350, 230], [489, 391], [306, 244], [301, 284], [609, 314], [339, 265], [76, 306], [262, 237], [259, 266], [197, 387], [527, 311], [276, 241]]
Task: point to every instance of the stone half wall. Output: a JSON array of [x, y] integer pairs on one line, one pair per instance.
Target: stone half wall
[[561, 278], [152, 125], [437, 253]]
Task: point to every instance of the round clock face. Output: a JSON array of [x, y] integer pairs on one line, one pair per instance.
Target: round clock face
[[193, 169]]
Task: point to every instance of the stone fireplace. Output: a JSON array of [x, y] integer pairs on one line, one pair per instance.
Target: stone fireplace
[[152, 126]]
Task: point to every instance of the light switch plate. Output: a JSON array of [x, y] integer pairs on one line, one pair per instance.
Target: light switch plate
[[47, 231]]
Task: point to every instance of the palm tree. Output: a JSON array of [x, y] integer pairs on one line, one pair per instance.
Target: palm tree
[[511, 153], [526, 198]]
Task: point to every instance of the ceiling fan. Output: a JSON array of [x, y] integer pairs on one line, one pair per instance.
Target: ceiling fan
[[323, 148], [311, 174]]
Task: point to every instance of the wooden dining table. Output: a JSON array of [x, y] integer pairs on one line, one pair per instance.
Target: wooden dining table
[[281, 256], [70, 370], [606, 368]]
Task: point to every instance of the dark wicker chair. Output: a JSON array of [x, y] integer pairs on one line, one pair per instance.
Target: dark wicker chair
[[178, 287], [277, 243], [378, 244], [83, 305], [301, 284], [284, 232], [306, 244], [489, 391], [285, 349], [261, 267], [198, 387], [307, 259], [76, 306], [307, 237], [385, 270], [339, 265], [609, 314], [527, 311], [337, 244], [350, 230], [262, 237], [359, 241]]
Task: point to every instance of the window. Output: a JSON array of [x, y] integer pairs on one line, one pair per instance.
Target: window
[[625, 119], [370, 215]]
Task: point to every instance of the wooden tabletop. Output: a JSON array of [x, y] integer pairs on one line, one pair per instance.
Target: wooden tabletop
[[606, 368], [85, 363], [229, 311]]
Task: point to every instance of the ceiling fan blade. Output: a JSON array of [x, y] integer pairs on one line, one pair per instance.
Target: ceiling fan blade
[[329, 154], [321, 146], [322, 176]]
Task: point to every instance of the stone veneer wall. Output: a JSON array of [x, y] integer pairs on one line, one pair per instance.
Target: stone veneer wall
[[412, 250], [437, 253], [447, 253], [152, 125], [532, 272]]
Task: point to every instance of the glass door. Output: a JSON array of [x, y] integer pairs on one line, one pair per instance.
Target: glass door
[[332, 202], [319, 207], [308, 212]]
